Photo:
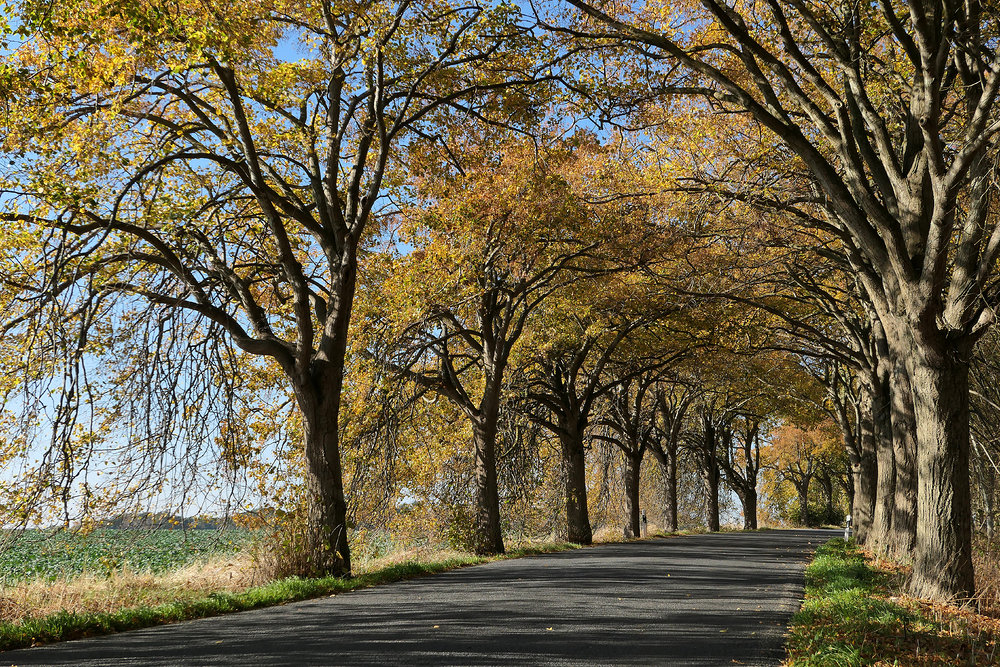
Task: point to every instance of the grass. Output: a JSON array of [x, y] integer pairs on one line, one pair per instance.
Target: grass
[[854, 615], [95, 592], [66, 624], [51, 555], [986, 560]]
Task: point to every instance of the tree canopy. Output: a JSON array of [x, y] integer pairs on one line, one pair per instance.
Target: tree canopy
[[428, 267]]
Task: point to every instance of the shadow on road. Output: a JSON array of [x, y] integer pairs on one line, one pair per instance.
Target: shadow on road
[[698, 600]]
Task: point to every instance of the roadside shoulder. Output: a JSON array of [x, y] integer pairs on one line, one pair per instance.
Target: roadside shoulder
[[854, 613]]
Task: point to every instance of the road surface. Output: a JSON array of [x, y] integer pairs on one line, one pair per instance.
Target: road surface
[[722, 599]]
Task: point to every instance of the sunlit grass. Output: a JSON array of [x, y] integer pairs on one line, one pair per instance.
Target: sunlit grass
[[855, 615]]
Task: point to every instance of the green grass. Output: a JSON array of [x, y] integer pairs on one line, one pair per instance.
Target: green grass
[[42, 554], [855, 614], [841, 624], [66, 625]]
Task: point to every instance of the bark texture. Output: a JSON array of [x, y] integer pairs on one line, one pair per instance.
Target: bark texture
[[577, 516], [943, 553], [865, 473], [885, 456], [326, 509], [904, 437], [488, 539], [633, 469]]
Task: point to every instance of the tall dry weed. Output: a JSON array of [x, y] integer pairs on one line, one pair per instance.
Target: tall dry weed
[[95, 593], [986, 560]]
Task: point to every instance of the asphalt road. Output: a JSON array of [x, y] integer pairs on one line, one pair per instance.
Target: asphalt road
[[720, 599]]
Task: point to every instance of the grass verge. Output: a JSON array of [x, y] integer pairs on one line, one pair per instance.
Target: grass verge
[[854, 615], [66, 625]]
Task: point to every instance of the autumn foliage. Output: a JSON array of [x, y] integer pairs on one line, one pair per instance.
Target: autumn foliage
[[369, 275]]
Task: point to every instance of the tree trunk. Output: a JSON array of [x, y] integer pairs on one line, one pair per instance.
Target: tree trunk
[[749, 500], [885, 490], [847, 486], [318, 393], [803, 491], [671, 475], [574, 459], [885, 494], [633, 466], [711, 478], [942, 568], [826, 481], [326, 508], [711, 475], [747, 495], [488, 534], [667, 458], [904, 434], [865, 472]]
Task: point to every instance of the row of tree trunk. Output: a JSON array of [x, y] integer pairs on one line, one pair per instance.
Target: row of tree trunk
[[876, 413]]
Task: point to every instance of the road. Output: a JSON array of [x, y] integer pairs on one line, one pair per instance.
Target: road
[[719, 599]]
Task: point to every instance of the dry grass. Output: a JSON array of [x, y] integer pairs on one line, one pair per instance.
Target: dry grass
[[986, 558], [956, 636], [611, 534], [971, 632], [411, 555], [98, 593]]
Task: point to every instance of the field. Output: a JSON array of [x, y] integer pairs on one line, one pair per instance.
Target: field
[[48, 555]]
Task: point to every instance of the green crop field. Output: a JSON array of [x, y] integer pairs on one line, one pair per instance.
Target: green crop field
[[49, 555]]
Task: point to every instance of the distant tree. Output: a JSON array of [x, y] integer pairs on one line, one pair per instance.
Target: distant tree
[[797, 455], [741, 444], [628, 423], [673, 400], [493, 246], [564, 382]]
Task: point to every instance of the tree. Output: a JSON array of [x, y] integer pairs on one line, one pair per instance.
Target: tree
[[172, 155], [705, 445], [585, 352], [832, 476], [566, 379], [628, 424], [796, 455], [590, 325], [890, 111], [673, 400], [858, 437], [741, 463], [513, 234]]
